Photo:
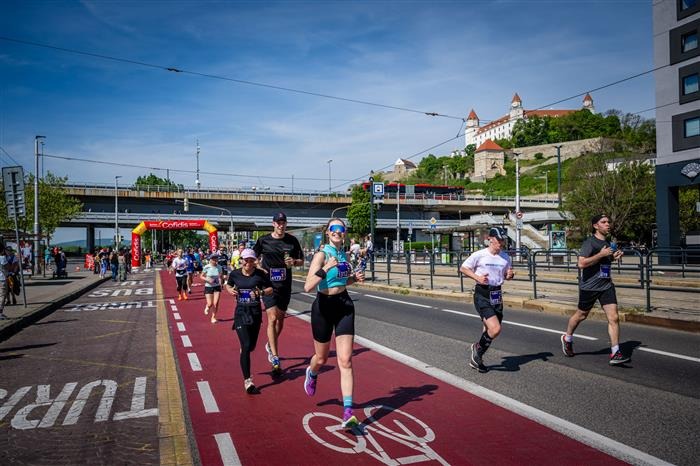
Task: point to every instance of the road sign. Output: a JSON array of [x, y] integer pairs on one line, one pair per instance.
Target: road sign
[[13, 180], [378, 188], [519, 214], [433, 221], [7, 178]]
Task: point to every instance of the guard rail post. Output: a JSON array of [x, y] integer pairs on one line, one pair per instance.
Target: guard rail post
[[388, 266]]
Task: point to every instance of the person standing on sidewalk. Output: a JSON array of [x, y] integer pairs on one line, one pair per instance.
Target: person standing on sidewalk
[[248, 285], [278, 252], [3, 282], [595, 261], [333, 310], [488, 267]]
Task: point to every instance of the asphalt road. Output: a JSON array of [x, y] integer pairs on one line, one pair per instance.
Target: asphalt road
[[651, 404]]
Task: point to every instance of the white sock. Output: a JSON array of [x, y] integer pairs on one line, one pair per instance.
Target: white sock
[[615, 349], [569, 338]]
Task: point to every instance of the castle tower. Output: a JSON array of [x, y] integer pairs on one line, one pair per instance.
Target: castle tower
[[516, 108], [588, 103], [471, 128]]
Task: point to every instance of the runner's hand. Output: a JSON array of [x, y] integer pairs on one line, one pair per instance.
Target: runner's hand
[[618, 254], [330, 263], [289, 262], [483, 279], [510, 274], [360, 276], [606, 251]]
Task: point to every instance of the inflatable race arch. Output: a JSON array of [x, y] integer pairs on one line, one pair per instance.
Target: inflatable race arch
[[169, 225]]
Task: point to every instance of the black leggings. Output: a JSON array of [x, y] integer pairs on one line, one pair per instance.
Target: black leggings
[[181, 283], [330, 313], [246, 323]]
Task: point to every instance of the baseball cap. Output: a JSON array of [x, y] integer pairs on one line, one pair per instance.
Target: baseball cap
[[498, 232], [248, 254], [213, 256], [279, 217], [597, 218]]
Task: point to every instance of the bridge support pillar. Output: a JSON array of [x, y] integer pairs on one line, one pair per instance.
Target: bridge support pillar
[[90, 239]]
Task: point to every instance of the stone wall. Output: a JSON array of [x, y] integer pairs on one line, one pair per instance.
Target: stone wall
[[569, 149]]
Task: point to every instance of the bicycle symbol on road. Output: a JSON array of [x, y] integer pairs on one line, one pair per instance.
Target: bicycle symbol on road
[[365, 438]]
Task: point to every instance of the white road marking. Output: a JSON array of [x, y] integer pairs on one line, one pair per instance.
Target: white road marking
[[228, 453], [666, 353], [173, 308], [177, 316], [571, 430], [172, 301], [181, 326], [397, 301], [194, 362], [186, 341], [207, 396], [309, 295]]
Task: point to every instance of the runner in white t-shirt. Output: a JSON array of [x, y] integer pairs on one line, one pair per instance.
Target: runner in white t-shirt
[[488, 267], [179, 266]]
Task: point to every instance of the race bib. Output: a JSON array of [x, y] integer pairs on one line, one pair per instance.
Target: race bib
[[344, 270], [246, 296], [604, 271], [496, 297], [215, 281], [278, 274]]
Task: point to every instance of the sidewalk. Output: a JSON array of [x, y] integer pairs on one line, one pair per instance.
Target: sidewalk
[[45, 295]]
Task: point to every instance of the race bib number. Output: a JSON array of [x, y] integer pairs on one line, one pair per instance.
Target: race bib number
[[343, 270], [215, 281], [496, 297], [604, 271], [278, 274], [246, 296]]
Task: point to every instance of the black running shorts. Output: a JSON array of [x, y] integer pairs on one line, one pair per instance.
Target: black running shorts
[[482, 303], [329, 313], [212, 289], [280, 297], [587, 298]]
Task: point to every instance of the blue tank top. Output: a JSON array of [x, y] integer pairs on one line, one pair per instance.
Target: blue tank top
[[337, 276]]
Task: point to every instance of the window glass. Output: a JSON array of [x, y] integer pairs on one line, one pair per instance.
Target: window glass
[[692, 127], [690, 84], [689, 42], [685, 4]]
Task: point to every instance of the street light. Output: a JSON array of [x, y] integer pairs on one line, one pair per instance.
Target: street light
[[35, 263], [371, 220], [116, 212], [517, 199], [329, 176], [558, 148]]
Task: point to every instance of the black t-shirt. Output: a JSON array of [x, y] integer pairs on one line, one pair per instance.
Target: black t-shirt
[[597, 277], [273, 251], [247, 284], [223, 260]]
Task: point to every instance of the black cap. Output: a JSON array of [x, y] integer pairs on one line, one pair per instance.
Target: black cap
[[279, 217], [597, 218], [498, 232]]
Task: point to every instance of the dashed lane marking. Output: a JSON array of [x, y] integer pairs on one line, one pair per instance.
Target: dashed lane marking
[[666, 353], [177, 316], [228, 453], [186, 341], [207, 396], [181, 327], [397, 301], [194, 362]]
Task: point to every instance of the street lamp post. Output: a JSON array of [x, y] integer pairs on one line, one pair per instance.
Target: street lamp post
[[35, 263], [116, 212], [558, 148], [517, 200], [197, 180], [329, 176], [398, 218], [371, 223]]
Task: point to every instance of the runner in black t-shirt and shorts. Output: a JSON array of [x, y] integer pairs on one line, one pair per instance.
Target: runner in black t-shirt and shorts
[[278, 252], [595, 260]]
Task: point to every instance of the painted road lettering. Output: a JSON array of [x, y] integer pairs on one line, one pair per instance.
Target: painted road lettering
[[21, 420], [111, 306], [104, 292]]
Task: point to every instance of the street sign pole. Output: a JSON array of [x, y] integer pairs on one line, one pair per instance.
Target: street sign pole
[[15, 208]]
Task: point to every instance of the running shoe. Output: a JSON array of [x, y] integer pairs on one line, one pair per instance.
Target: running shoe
[[276, 366], [567, 347], [179, 297], [309, 383], [249, 385], [475, 361], [213, 320], [618, 358], [184, 296], [269, 352], [349, 420]]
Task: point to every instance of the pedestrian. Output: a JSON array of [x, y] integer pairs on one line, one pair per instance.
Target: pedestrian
[[12, 270], [488, 267], [212, 286], [333, 311], [3, 281], [595, 260], [278, 252], [247, 285], [179, 266]]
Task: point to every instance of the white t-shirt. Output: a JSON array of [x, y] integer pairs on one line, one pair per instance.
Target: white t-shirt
[[180, 266], [483, 262]]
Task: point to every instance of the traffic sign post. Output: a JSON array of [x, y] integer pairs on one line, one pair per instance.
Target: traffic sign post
[[13, 180]]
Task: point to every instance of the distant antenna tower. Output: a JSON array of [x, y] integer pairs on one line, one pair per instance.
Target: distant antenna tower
[[197, 180]]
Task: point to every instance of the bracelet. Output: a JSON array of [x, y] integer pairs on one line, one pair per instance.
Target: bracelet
[[321, 273]]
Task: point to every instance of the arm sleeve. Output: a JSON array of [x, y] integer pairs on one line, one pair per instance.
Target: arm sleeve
[[586, 249], [470, 262]]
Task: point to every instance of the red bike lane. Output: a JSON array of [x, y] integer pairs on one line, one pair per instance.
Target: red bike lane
[[407, 416]]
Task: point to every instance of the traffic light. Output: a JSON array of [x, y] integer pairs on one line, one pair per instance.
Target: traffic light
[[186, 203]]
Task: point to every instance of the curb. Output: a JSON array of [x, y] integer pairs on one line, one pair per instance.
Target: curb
[[41, 312], [551, 307]]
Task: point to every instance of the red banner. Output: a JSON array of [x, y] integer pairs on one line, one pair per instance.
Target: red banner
[[89, 262], [175, 224]]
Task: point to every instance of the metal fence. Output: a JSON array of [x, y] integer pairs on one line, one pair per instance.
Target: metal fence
[[674, 270]]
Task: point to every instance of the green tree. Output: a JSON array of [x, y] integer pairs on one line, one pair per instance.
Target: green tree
[[153, 180], [532, 131], [359, 211], [55, 206], [689, 217], [626, 195]]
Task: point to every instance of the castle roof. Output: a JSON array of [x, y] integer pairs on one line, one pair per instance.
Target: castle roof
[[406, 163], [472, 115], [588, 98], [516, 98], [489, 145]]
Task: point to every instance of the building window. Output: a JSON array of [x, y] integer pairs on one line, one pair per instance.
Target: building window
[[686, 131], [689, 83], [683, 42], [689, 42], [686, 8]]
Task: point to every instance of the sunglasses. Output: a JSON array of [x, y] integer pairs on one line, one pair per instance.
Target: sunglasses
[[336, 228]]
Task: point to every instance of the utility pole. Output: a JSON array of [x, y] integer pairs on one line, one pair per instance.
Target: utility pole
[[558, 148], [197, 180], [517, 199], [398, 218], [35, 262], [371, 223], [116, 212]]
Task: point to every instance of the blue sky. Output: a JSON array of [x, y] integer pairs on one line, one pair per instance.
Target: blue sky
[[436, 56]]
